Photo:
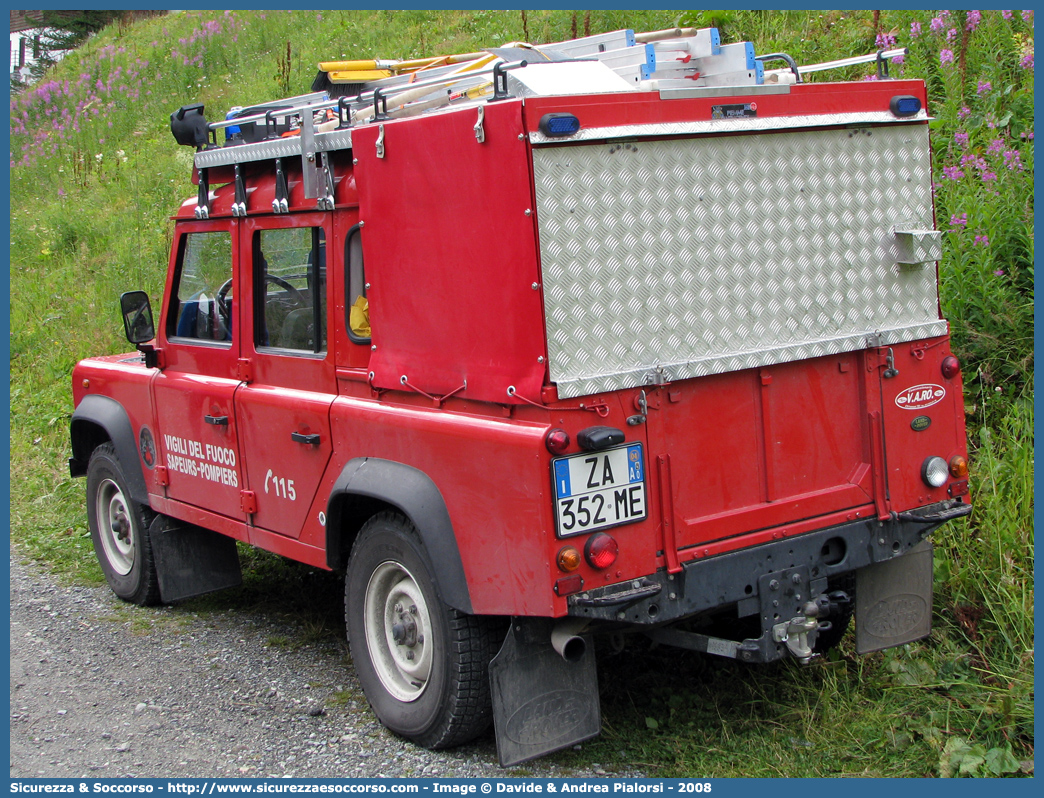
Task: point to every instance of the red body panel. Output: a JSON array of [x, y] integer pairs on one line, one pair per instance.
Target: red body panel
[[450, 250]]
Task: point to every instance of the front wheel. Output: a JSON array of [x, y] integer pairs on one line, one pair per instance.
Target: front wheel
[[119, 530], [423, 665]]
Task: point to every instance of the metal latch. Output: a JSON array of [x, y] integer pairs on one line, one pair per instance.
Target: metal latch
[[480, 131], [380, 141]]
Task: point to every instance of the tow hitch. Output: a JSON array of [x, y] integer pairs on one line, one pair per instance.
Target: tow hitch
[[800, 632]]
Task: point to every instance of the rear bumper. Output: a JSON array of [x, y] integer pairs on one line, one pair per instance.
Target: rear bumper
[[746, 577]]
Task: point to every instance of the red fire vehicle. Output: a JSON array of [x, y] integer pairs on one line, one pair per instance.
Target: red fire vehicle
[[619, 335]]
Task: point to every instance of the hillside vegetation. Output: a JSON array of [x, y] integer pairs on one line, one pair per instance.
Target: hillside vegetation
[[95, 176]]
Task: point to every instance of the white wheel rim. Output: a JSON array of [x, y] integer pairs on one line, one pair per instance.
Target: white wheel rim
[[115, 527], [398, 631]]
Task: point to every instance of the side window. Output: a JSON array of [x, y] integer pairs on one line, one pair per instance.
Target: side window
[[202, 303], [290, 289], [357, 308]]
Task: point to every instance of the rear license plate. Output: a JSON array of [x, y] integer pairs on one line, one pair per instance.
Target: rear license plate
[[596, 490]]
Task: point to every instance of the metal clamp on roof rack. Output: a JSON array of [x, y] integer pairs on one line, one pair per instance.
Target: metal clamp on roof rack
[[239, 205], [882, 66], [344, 112], [281, 202], [500, 91], [380, 106], [326, 202], [203, 198]]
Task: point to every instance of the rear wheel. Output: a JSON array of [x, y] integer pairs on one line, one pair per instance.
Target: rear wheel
[[119, 530], [423, 665]]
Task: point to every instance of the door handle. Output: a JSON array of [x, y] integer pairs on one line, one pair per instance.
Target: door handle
[[310, 440], [217, 421]]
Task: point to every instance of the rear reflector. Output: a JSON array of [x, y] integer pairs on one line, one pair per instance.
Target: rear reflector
[[568, 585]]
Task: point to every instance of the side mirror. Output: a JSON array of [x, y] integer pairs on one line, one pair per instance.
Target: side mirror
[[137, 317]]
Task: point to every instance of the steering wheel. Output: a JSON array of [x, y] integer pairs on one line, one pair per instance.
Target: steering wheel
[[295, 295], [222, 303]]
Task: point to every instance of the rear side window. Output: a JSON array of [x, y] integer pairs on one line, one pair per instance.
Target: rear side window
[[357, 308], [202, 304], [290, 289]]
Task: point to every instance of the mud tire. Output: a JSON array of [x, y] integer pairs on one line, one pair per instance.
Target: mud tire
[[440, 696], [120, 530]]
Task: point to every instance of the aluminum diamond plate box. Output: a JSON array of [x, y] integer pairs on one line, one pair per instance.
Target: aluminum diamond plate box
[[669, 259]]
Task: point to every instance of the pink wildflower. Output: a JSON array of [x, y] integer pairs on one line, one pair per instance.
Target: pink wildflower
[[946, 56], [1013, 160], [915, 30], [959, 221], [974, 18], [999, 273], [936, 24], [981, 241], [952, 173], [996, 146], [984, 86], [961, 138], [1006, 14]]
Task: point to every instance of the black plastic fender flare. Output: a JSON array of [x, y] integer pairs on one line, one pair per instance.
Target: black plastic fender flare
[[110, 416], [414, 493]]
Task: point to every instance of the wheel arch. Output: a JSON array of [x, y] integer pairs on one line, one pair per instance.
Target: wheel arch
[[368, 485], [97, 420]]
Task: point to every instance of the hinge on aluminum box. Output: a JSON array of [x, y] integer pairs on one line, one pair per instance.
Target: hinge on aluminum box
[[239, 205], [281, 202], [326, 202], [244, 370], [203, 200], [248, 501], [480, 131], [162, 477]]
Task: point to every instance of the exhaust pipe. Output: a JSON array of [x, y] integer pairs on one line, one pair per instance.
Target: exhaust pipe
[[566, 639]]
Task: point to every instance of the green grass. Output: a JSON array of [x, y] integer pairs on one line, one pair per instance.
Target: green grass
[[91, 196]]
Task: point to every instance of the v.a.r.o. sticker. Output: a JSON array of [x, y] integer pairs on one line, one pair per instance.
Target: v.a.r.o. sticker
[[920, 396]]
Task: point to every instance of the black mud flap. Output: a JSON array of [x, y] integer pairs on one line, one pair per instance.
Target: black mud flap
[[894, 600], [190, 560], [541, 702]]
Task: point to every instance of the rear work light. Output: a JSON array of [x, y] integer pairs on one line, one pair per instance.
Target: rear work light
[[601, 550], [559, 124], [935, 471]]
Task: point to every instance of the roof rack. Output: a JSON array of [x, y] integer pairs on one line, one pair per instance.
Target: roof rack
[[349, 93]]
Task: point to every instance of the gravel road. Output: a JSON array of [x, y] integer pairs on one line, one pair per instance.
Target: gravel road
[[101, 689]]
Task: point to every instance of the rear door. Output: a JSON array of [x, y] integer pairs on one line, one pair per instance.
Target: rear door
[[284, 408]]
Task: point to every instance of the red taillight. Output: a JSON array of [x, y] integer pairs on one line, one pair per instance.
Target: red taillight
[[557, 441], [951, 367], [601, 550]]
